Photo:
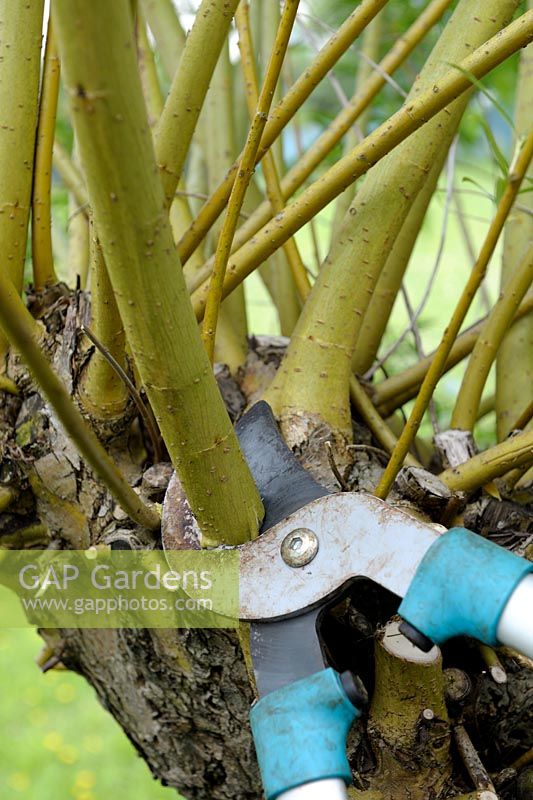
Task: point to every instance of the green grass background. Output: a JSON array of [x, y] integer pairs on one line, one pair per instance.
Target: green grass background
[[56, 740]]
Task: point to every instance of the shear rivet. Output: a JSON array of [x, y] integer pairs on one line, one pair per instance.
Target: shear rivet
[[299, 547]]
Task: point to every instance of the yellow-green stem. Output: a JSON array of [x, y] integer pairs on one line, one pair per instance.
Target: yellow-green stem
[[71, 176], [145, 412], [274, 272], [78, 236], [102, 392], [282, 113], [153, 96], [23, 333], [515, 478], [7, 495], [270, 171], [389, 283], [9, 386], [484, 467], [372, 419], [131, 218], [176, 125], [381, 141], [20, 59], [397, 390], [244, 174], [437, 365], [168, 33], [330, 326], [486, 406], [41, 216], [466, 406], [514, 362], [525, 417], [231, 346], [180, 212], [368, 56], [318, 151]]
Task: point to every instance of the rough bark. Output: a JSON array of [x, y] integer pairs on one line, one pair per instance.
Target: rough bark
[[182, 697]]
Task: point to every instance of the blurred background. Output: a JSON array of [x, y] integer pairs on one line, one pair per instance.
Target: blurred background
[[56, 741]]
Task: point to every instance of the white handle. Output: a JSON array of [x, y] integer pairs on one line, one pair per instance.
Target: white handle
[[330, 789], [515, 628]]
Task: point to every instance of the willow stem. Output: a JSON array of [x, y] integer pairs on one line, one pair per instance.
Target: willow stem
[[524, 760], [7, 495], [144, 410], [476, 277], [372, 419], [380, 142], [190, 83], [492, 661], [20, 59], [231, 344], [369, 51], [486, 406], [71, 176], [130, 213], [270, 172], [244, 174], [525, 417], [22, 331], [9, 386], [79, 237], [282, 113], [153, 96], [394, 392], [466, 406], [321, 148], [101, 389], [180, 212], [41, 220], [484, 467], [168, 33], [512, 477], [514, 362]]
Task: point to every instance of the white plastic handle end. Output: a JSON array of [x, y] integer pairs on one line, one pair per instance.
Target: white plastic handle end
[[515, 628], [330, 789]]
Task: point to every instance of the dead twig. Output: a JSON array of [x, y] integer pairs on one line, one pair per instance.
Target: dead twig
[[144, 410], [471, 760]]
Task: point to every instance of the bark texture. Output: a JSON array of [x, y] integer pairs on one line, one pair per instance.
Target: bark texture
[[182, 697]]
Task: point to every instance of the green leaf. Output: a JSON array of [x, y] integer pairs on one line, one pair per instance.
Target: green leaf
[[482, 88], [479, 186], [493, 144], [501, 183]]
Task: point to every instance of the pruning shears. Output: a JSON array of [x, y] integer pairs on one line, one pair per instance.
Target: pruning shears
[[313, 544]]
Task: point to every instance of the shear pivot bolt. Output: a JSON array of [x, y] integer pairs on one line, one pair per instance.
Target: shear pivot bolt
[[299, 547]]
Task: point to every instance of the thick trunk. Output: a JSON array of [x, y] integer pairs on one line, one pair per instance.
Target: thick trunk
[[182, 697]]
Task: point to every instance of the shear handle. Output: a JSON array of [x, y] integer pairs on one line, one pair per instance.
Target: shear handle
[[515, 628], [330, 789]]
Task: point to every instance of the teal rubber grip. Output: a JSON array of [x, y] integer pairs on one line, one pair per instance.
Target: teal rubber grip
[[300, 733], [461, 587]]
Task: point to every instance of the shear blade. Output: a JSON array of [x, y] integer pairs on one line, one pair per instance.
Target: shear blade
[[286, 651], [284, 485]]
